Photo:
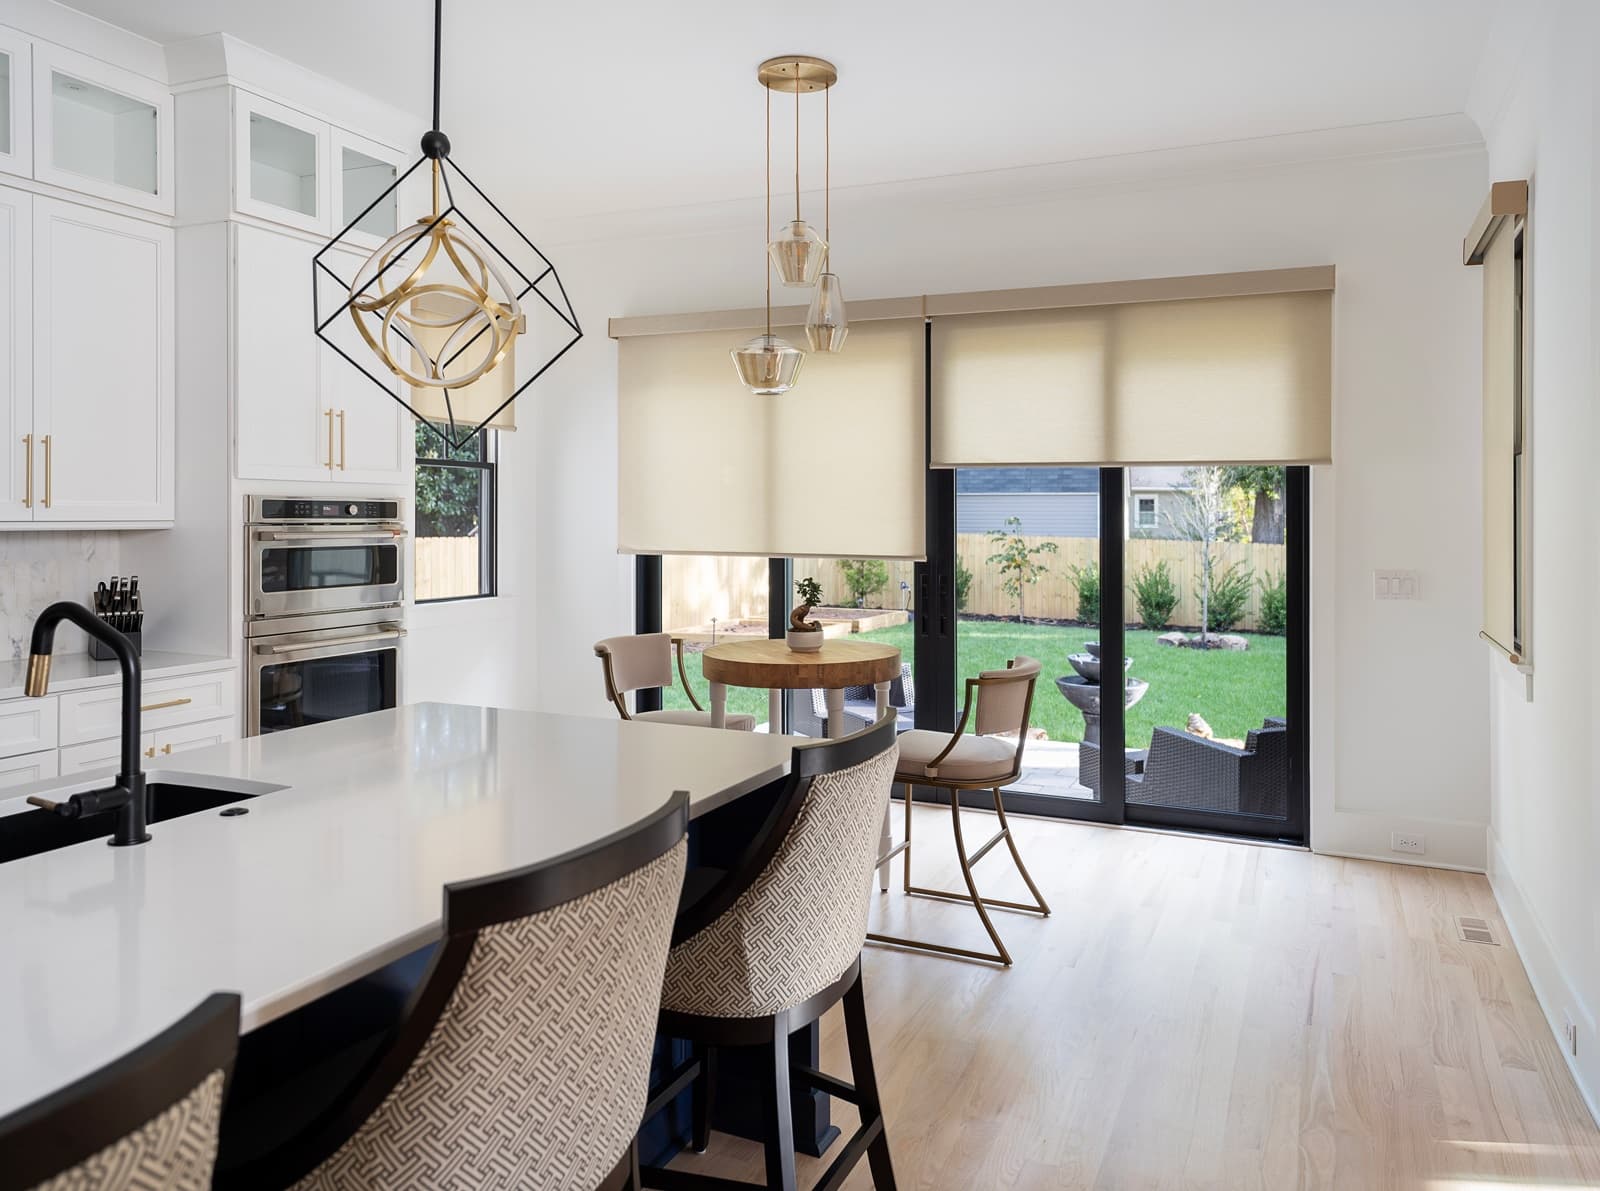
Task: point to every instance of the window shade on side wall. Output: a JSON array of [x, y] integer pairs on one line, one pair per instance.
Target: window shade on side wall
[[1501, 376], [833, 468], [1236, 379]]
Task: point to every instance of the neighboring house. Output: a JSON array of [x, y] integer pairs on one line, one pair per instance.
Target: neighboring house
[[1061, 502], [1155, 498]]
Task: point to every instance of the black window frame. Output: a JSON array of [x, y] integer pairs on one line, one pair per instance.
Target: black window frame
[[487, 463]]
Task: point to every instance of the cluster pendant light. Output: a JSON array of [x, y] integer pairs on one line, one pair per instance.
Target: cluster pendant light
[[769, 365]]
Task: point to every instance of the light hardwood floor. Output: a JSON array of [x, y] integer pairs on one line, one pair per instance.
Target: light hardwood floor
[[1204, 1014]]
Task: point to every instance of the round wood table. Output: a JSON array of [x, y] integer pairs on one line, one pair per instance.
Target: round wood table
[[771, 665]]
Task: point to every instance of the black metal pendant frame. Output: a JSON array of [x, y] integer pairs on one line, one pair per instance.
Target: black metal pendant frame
[[436, 152]]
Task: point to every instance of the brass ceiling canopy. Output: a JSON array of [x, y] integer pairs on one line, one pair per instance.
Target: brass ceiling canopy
[[797, 73]]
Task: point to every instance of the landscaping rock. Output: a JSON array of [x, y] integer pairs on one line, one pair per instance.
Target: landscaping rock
[[1230, 641], [1172, 639]]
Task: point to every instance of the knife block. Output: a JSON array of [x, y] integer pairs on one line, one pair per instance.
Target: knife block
[[99, 652]]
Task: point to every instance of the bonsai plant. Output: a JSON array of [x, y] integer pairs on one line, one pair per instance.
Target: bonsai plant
[[805, 634]]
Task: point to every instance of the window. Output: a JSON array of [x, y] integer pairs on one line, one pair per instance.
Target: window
[[1145, 513], [455, 542]]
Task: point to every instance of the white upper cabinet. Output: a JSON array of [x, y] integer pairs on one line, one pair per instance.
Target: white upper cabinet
[[280, 164], [16, 368], [103, 366], [362, 172], [16, 103], [101, 130]]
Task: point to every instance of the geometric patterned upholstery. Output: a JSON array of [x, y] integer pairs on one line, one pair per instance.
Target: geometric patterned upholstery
[[803, 920], [535, 1073], [174, 1151]]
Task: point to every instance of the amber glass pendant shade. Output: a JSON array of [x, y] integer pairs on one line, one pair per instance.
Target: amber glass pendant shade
[[798, 254], [826, 324], [768, 365]]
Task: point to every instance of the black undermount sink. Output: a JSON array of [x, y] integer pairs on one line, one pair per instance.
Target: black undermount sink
[[30, 832]]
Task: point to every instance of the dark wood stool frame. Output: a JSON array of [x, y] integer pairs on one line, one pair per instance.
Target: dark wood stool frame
[[68, 1127], [469, 907], [771, 1033]]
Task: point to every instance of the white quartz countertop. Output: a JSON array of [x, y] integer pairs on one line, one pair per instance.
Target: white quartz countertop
[[75, 671], [326, 879]]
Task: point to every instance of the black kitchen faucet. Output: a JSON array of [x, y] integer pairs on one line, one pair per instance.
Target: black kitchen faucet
[[126, 797]]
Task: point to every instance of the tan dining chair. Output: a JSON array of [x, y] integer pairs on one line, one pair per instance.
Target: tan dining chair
[[643, 661], [998, 703]]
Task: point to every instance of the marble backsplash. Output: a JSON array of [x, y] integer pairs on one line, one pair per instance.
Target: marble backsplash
[[37, 569]]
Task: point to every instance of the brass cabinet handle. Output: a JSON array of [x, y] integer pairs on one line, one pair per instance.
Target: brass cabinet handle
[[328, 413], [27, 454], [168, 703], [49, 458], [341, 440], [151, 751], [167, 748]]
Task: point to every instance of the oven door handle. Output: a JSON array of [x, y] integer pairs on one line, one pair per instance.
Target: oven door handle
[[376, 538], [331, 643]]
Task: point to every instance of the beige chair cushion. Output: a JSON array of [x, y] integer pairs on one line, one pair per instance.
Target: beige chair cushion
[[974, 759], [698, 719]]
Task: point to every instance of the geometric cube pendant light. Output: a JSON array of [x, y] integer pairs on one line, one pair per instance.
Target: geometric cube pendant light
[[440, 306]]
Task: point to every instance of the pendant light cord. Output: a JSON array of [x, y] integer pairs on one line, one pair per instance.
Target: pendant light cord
[[827, 172], [797, 142], [767, 230], [439, 37]]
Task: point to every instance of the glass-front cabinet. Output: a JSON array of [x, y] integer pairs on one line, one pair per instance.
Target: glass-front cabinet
[[101, 130], [16, 104], [281, 164], [363, 171]]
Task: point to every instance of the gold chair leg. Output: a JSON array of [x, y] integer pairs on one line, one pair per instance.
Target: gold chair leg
[[1016, 857], [972, 884], [907, 870]]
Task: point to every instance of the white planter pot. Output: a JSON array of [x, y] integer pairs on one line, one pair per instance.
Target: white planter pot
[[804, 642]]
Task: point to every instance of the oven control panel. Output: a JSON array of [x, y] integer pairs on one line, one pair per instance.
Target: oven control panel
[[302, 509]]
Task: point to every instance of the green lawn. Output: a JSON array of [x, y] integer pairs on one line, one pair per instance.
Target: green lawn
[[1233, 691]]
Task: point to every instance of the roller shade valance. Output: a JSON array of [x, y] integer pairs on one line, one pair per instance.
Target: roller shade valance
[[833, 468], [1236, 379]]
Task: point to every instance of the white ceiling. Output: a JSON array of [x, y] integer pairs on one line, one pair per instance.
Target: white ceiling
[[582, 107]]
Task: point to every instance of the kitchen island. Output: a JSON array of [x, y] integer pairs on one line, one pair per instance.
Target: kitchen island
[[337, 869]]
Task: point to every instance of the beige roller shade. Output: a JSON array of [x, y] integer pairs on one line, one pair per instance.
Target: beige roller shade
[[1242, 379], [833, 468], [1502, 370]]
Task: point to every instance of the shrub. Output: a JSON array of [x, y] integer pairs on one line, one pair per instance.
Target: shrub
[[1156, 594], [963, 584], [1274, 603], [1087, 580], [863, 577], [1230, 593]]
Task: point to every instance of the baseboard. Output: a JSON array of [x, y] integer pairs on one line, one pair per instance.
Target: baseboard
[[1551, 985], [1399, 858]]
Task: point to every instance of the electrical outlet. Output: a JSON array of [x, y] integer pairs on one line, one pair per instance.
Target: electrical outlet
[[1406, 841], [1570, 1033]]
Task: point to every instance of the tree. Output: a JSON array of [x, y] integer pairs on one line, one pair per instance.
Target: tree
[[449, 499], [1018, 562], [863, 577], [1205, 516], [1263, 486]]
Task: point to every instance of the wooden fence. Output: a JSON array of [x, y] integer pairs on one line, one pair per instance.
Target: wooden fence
[[446, 567], [696, 589]]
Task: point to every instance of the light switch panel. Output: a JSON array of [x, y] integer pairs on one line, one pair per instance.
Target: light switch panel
[[1396, 585]]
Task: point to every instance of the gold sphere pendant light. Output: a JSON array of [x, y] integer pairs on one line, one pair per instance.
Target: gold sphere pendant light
[[826, 324], [768, 365]]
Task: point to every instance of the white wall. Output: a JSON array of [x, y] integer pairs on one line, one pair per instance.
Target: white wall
[[1536, 103], [1399, 690]]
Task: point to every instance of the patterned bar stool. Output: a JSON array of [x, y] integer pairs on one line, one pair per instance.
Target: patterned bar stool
[[147, 1122], [999, 703], [775, 945], [525, 1055], [645, 661]]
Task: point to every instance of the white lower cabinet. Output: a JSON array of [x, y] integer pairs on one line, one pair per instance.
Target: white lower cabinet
[[30, 767]]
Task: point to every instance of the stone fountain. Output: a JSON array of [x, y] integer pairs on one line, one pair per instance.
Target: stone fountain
[[1082, 689]]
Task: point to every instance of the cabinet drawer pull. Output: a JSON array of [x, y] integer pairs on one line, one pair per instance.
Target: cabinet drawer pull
[[168, 703], [151, 751], [27, 448], [167, 749], [341, 440]]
